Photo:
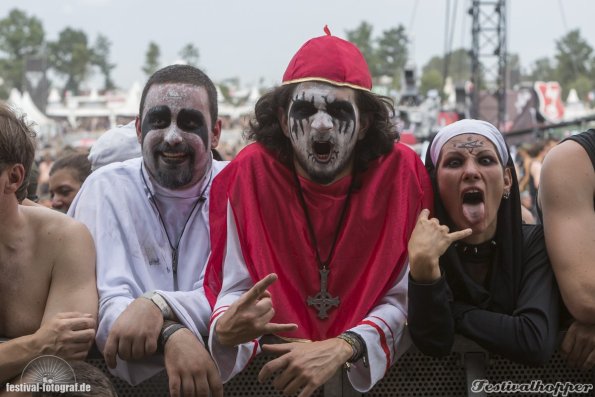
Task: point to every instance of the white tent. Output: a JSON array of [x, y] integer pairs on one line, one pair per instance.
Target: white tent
[[44, 127]]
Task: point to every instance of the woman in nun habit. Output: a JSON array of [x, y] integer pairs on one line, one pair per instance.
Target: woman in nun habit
[[476, 269]]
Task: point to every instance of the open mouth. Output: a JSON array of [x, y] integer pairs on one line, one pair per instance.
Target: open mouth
[[322, 151], [173, 157], [473, 197], [473, 206]]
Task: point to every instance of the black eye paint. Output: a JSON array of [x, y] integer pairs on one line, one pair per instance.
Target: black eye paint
[[193, 121], [342, 111], [300, 110], [157, 118]]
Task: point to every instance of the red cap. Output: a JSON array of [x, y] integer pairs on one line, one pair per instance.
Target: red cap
[[329, 59]]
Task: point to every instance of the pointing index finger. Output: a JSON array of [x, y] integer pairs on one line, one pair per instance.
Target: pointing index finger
[[254, 293]]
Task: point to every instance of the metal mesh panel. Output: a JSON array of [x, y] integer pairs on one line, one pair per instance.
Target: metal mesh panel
[[415, 374], [157, 386], [556, 370], [246, 383]]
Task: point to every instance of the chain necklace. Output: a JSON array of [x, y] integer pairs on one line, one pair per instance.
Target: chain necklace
[[323, 300], [174, 248]]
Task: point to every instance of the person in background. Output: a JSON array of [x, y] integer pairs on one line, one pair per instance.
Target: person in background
[[115, 145], [66, 178]]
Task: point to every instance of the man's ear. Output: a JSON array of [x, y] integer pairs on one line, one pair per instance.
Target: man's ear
[[216, 134], [282, 116], [16, 177], [139, 133]]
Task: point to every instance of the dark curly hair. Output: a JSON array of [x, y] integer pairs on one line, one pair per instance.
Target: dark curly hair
[[380, 136]]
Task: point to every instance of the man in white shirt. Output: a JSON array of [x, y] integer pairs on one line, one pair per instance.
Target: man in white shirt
[[149, 218]]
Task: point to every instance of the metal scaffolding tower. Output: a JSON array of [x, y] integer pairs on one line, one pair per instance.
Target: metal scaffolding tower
[[488, 61]]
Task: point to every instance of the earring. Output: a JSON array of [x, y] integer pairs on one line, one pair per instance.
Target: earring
[[506, 195]]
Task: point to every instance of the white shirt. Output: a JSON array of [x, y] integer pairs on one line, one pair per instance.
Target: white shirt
[[134, 255]]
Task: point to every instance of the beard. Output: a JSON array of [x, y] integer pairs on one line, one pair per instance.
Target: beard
[[172, 174], [323, 174], [174, 177]]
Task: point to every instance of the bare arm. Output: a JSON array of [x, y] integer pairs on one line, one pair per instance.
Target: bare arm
[[68, 325], [566, 198], [73, 287]]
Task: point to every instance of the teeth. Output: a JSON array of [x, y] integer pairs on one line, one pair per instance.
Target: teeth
[[173, 155]]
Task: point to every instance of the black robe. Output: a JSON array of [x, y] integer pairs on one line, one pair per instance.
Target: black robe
[[515, 314]]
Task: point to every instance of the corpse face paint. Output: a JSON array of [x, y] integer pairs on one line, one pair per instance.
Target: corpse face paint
[[323, 126], [472, 181], [176, 137]]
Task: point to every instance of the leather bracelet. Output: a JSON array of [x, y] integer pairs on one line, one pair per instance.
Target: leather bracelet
[[357, 344], [167, 331]]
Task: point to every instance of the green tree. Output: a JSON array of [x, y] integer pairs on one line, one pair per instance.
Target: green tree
[[582, 84], [152, 59], [459, 67], [573, 58], [362, 38], [190, 54], [392, 53], [21, 36], [543, 70], [71, 57], [431, 80], [100, 58]]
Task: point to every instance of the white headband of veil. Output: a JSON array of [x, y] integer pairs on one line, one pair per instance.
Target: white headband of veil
[[469, 126]]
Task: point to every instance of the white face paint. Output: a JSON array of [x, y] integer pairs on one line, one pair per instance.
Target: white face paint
[[176, 134], [323, 126]]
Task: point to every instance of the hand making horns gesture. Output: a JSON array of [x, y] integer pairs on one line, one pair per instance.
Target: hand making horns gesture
[[428, 242], [249, 317]]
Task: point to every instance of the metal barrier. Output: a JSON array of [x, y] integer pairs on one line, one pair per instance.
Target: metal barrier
[[413, 375]]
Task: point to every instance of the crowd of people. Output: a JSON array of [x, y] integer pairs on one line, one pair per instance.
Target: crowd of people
[[322, 243]]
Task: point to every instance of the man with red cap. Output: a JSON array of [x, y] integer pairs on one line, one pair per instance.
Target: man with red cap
[[310, 229]]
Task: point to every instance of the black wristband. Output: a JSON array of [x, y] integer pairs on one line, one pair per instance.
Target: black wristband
[[168, 329]]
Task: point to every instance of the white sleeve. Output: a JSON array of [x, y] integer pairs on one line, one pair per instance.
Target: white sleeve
[[383, 331], [191, 307], [236, 281], [116, 283]]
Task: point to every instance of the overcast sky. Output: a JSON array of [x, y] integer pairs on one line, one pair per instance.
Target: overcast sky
[[256, 39]]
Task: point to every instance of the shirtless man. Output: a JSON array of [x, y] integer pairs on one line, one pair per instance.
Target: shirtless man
[[48, 297], [566, 198]]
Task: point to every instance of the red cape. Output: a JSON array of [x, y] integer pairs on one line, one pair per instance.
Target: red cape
[[273, 232]]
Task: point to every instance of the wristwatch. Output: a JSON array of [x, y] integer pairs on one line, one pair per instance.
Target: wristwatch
[[161, 304]]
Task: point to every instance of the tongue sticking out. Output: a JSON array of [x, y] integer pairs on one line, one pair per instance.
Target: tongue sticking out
[[474, 213]]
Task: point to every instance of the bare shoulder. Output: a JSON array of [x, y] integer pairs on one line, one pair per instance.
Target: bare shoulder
[[567, 156], [53, 228], [567, 177]]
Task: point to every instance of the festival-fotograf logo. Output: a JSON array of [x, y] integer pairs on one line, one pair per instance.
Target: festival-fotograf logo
[[49, 374], [48, 370]]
